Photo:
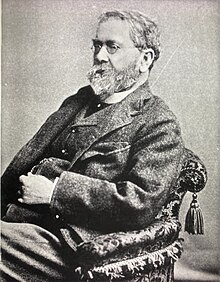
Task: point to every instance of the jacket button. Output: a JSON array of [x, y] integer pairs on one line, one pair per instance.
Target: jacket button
[[73, 130], [57, 216], [63, 151]]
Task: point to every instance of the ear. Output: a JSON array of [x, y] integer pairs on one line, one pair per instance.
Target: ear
[[147, 58]]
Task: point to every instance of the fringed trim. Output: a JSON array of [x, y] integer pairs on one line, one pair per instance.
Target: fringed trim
[[194, 223], [135, 265]]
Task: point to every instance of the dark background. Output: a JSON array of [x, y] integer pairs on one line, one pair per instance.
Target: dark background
[[46, 54]]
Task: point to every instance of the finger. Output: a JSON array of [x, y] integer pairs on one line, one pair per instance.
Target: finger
[[19, 192], [22, 178], [23, 188], [20, 200]]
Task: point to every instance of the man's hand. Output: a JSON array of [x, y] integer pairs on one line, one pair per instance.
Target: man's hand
[[36, 189]]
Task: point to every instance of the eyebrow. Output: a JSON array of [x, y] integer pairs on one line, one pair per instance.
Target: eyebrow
[[96, 41], [107, 42]]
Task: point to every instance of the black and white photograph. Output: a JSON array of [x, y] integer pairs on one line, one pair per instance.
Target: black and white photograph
[[110, 141]]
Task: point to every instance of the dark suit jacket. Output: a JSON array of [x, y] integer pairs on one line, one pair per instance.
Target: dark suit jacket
[[128, 157]]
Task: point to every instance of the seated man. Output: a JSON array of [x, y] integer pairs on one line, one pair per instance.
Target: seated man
[[104, 162]]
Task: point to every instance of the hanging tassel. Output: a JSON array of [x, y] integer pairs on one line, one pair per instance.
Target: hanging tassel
[[194, 218]]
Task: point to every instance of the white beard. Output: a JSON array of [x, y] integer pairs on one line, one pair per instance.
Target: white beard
[[106, 81]]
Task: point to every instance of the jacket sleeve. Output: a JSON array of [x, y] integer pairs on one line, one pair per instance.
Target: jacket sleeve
[[133, 202]]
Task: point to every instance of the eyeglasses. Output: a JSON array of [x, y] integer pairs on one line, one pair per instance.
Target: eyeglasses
[[110, 46]]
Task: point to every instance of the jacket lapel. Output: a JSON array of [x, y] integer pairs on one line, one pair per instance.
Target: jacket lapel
[[109, 119]]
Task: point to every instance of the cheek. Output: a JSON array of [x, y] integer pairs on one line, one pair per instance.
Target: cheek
[[123, 61]]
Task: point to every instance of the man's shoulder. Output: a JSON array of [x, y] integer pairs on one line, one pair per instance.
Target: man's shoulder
[[81, 95], [156, 107], [151, 104]]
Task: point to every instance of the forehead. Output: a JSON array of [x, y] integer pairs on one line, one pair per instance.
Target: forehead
[[115, 30]]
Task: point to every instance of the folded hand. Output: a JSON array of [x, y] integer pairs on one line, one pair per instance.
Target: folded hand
[[36, 189]]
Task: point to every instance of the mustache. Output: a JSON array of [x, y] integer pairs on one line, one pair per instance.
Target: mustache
[[100, 69]]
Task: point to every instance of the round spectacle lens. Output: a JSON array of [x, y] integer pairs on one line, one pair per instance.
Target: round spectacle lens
[[112, 49]]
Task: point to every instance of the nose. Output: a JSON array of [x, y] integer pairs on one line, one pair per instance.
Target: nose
[[102, 56]]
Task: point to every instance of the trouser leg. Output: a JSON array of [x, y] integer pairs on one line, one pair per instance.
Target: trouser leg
[[31, 253]]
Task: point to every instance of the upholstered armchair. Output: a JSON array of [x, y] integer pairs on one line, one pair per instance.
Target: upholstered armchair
[[148, 254]]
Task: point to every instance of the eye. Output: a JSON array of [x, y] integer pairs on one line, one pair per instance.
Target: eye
[[112, 47], [96, 46]]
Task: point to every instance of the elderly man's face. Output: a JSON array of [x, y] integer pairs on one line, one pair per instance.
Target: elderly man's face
[[115, 59]]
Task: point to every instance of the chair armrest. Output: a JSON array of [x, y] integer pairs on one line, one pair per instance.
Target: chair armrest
[[192, 178], [193, 175], [128, 269], [125, 245]]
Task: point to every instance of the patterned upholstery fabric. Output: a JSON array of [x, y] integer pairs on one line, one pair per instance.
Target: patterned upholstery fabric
[[147, 254], [160, 274]]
